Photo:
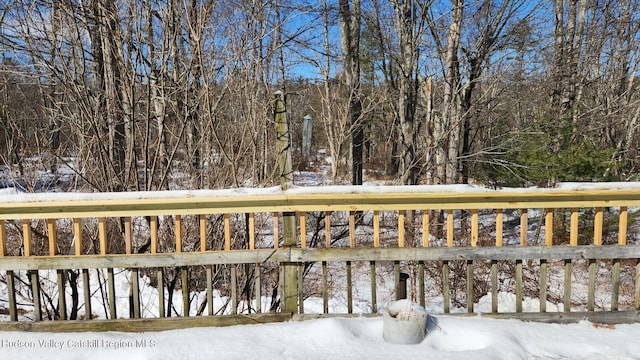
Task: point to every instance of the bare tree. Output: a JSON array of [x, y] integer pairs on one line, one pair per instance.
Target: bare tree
[[446, 134], [466, 56], [112, 107], [409, 23], [350, 41]]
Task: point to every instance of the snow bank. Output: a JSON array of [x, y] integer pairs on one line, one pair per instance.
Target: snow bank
[[338, 338]]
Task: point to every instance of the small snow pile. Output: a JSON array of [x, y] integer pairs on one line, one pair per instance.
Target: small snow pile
[[404, 322]]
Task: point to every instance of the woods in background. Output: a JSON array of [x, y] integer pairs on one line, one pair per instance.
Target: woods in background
[[153, 95]]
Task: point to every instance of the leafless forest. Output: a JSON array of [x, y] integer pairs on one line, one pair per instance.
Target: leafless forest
[[151, 95]]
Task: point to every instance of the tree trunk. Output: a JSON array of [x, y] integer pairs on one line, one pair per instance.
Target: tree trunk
[[409, 53], [350, 43], [449, 131], [109, 64]]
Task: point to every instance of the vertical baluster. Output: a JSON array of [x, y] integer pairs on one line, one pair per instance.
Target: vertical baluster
[[111, 290], [27, 237], [234, 290], [325, 285], [494, 263], [11, 289], [227, 232], [53, 250], [86, 289], [352, 244], [474, 243], [134, 288], [548, 241], [597, 241], [276, 230], [573, 241], [33, 274], [184, 272], [208, 268], [303, 245], [524, 227], [303, 230], [446, 289], [153, 228], [184, 279], [425, 243], [178, 233], [372, 264], [202, 221], [622, 241]]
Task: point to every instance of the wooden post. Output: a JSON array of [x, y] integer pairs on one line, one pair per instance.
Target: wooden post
[[283, 142], [290, 292], [3, 239], [11, 289], [13, 313]]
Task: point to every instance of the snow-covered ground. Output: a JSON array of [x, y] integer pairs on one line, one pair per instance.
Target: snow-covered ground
[[338, 338]]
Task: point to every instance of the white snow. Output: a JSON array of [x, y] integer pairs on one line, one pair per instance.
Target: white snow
[[338, 338], [11, 195]]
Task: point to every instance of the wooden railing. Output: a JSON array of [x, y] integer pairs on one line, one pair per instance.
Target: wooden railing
[[454, 245]]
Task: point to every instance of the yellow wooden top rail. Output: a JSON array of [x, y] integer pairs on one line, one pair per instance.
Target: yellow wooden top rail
[[348, 198]]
